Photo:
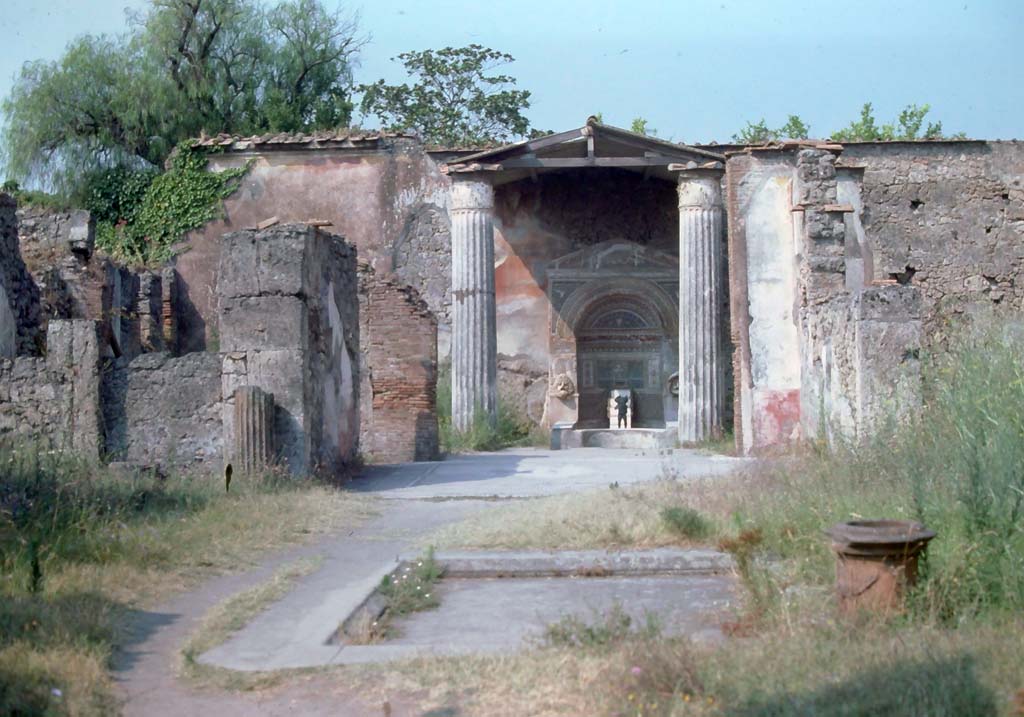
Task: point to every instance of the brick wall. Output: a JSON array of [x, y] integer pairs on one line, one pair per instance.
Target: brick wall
[[398, 336]]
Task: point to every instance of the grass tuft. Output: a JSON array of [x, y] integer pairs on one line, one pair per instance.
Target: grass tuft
[[686, 522], [80, 548], [612, 628]]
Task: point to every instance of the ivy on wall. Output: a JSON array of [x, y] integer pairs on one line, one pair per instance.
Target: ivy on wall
[[141, 215]]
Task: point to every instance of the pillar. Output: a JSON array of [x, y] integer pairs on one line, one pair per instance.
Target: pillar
[[474, 332], [254, 429], [701, 286]]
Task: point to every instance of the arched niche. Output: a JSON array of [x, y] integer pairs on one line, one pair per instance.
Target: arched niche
[[615, 324]]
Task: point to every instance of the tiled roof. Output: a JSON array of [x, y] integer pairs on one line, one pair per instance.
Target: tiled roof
[[313, 140]]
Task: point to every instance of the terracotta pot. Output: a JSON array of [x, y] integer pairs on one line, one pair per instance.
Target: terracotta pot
[[876, 561]]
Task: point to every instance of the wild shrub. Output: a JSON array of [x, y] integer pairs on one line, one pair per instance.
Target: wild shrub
[[686, 522]]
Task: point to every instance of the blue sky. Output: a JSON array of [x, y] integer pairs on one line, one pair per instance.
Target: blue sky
[[696, 70]]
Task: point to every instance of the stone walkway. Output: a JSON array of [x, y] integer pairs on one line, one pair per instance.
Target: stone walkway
[[416, 500]]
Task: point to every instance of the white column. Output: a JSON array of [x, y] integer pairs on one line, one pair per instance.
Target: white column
[[474, 332], [701, 365]]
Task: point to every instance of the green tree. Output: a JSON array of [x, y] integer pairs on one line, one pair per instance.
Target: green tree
[[754, 133], [759, 132], [184, 67], [454, 100], [906, 127], [795, 128]]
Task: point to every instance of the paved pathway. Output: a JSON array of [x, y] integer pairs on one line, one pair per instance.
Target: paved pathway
[[417, 499]]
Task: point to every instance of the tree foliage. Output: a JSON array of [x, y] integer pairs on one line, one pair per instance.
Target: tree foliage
[[759, 132], [907, 126], [184, 67], [455, 100], [910, 124]]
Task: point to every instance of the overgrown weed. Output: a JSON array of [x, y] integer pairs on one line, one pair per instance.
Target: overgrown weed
[[957, 466], [80, 547], [508, 430], [603, 630]]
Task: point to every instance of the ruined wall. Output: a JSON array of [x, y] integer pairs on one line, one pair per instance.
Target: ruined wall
[[823, 351], [398, 341], [947, 217], [55, 401], [73, 281], [385, 195], [19, 296], [161, 410], [288, 323]]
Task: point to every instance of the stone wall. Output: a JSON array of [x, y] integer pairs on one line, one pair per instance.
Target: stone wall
[[288, 324], [947, 217], [19, 296], [161, 410], [55, 401], [398, 341], [823, 350], [384, 194]]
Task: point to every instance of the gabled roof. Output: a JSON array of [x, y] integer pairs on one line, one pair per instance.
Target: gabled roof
[[592, 145]]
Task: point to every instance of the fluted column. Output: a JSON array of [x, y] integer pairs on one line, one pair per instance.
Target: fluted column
[[474, 332], [701, 365], [254, 429]]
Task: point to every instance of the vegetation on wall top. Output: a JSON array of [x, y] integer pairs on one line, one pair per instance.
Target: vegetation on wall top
[[909, 125], [140, 215]]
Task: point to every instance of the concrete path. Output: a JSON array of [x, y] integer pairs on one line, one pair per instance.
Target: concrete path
[[417, 499], [533, 472]]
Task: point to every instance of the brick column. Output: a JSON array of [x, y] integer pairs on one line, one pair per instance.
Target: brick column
[[474, 333], [701, 367]]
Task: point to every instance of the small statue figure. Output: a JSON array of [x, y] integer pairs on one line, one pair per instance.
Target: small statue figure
[[622, 406]]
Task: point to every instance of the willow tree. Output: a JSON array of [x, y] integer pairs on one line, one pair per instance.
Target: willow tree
[[184, 67]]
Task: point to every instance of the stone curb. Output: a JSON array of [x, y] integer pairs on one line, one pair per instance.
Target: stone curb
[[583, 563]]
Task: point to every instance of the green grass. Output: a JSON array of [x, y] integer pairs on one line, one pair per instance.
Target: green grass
[[686, 522], [80, 549], [957, 467], [508, 430]]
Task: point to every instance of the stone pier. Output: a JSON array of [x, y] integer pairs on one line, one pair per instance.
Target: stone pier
[[474, 334], [701, 361]]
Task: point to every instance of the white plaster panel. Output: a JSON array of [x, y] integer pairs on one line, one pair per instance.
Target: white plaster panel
[[771, 287]]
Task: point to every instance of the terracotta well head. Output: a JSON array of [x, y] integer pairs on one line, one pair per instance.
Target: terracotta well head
[[879, 537]]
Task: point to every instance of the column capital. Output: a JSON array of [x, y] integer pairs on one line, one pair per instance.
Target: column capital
[[471, 194], [700, 188]]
